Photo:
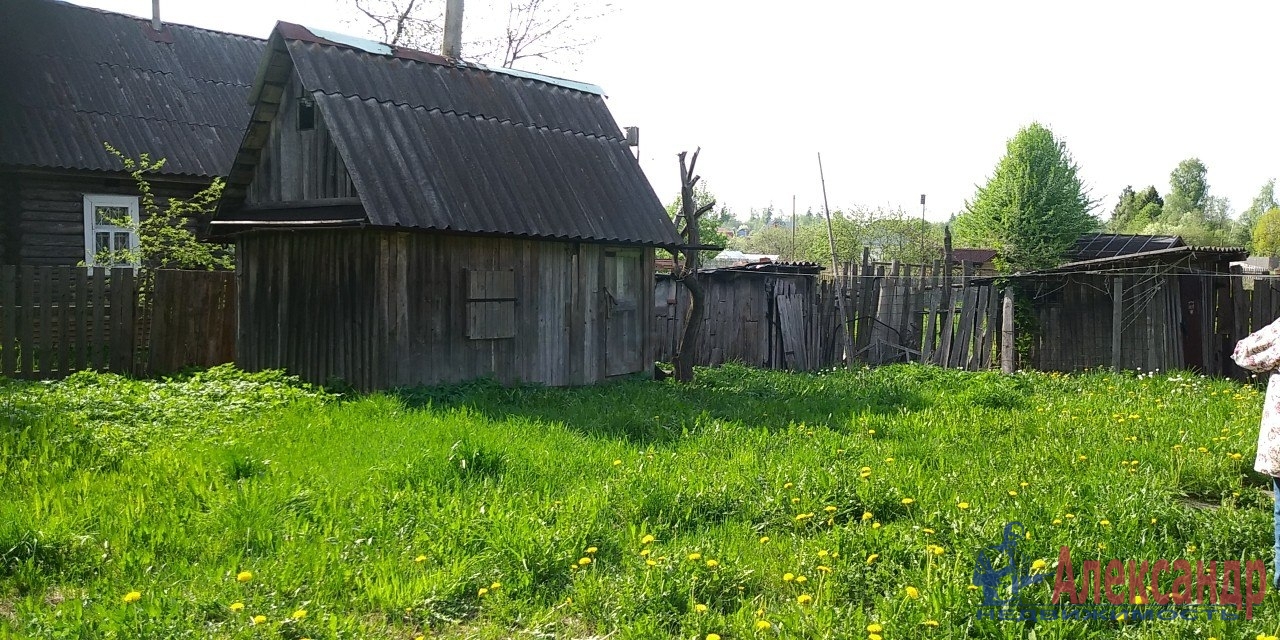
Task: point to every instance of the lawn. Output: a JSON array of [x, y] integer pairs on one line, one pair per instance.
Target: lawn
[[748, 505]]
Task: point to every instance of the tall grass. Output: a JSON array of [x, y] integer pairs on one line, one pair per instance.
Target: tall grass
[[482, 511]]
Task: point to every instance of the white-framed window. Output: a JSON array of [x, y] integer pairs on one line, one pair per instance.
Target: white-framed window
[[103, 231]]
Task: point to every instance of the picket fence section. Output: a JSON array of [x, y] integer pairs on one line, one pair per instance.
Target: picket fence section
[[55, 320]]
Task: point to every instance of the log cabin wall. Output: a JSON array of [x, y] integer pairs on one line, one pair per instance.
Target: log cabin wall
[[298, 162], [381, 309], [43, 212]]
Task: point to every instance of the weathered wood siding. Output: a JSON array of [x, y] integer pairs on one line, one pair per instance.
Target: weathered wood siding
[[298, 165], [382, 309], [43, 212]]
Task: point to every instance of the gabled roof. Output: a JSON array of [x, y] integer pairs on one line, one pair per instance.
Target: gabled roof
[[74, 78], [1092, 246], [449, 146]]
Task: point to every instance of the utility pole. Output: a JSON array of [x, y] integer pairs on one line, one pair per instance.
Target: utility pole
[[924, 226], [793, 228]]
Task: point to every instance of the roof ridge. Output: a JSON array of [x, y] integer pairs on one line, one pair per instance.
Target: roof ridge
[[144, 20], [464, 114]]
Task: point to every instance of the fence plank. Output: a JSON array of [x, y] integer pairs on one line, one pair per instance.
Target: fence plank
[[27, 321], [44, 351], [80, 350], [99, 341], [65, 296], [122, 327], [8, 320]]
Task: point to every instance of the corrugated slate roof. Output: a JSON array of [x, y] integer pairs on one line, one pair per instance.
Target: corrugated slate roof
[[75, 77], [1093, 246], [437, 145]]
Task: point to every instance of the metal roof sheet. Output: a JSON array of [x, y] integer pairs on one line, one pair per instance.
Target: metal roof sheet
[[75, 78]]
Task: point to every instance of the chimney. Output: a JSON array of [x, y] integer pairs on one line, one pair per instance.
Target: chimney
[[156, 25], [452, 47]]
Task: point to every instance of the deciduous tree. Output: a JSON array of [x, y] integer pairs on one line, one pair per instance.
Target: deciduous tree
[[1266, 233], [1033, 207]]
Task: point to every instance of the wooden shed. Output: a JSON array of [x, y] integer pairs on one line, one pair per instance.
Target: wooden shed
[[401, 219], [74, 78], [764, 314], [1133, 302]]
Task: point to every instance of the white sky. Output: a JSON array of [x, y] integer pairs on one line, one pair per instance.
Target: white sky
[[908, 96]]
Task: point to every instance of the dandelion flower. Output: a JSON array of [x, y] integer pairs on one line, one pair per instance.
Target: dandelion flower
[[804, 598], [1013, 493], [694, 557], [795, 501], [874, 636], [700, 608], [866, 515], [244, 576], [788, 485], [930, 623], [871, 559], [651, 563], [495, 586], [299, 614], [713, 636], [647, 539], [1139, 600], [875, 525], [935, 549], [1057, 521], [711, 564], [823, 553], [617, 462], [829, 509], [131, 597], [482, 592], [824, 569], [1104, 522], [804, 516], [963, 505], [908, 501], [644, 552], [874, 627], [888, 460], [913, 593], [764, 539], [928, 531], [1069, 516], [801, 579], [1082, 458], [1024, 485], [259, 619], [584, 561], [1039, 565], [420, 559], [763, 625], [788, 577], [591, 550], [237, 606]]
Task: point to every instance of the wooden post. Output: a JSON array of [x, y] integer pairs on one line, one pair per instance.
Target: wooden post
[[1117, 320], [946, 307], [835, 266], [1006, 332]]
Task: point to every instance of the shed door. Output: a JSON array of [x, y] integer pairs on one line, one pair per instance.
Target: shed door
[[623, 343]]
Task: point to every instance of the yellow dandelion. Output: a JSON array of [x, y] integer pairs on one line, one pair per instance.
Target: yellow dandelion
[[824, 569], [694, 557], [1069, 516], [617, 462], [866, 515], [804, 516], [1082, 458], [963, 505], [1104, 522], [788, 485], [864, 474], [908, 501], [237, 606], [795, 501], [700, 608], [711, 564], [651, 563], [244, 576], [495, 586], [647, 539], [871, 432], [874, 636], [871, 559], [584, 561], [1139, 600], [1013, 493], [1203, 450], [928, 531], [1024, 485], [888, 459], [482, 592], [874, 627], [591, 550], [930, 623], [763, 625], [131, 597], [913, 592], [829, 509], [420, 559], [764, 539], [804, 598], [713, 636], [299, 614], [788, 577], [259, 619], [875, 525], [801, 579], [1039, 565], [1057, 521], [644, 552]]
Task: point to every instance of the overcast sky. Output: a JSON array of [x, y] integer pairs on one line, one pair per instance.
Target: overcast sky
[[905, 97]]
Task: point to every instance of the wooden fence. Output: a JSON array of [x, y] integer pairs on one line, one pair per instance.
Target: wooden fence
[[55, 320], [897, 312]]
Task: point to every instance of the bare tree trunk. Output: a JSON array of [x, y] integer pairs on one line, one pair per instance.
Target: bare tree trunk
[[690, 214]]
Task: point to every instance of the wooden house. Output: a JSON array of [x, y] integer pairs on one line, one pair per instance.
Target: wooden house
[[402, 219], [74, 78]]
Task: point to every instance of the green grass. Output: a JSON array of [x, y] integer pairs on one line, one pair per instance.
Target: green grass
[[384, 516]]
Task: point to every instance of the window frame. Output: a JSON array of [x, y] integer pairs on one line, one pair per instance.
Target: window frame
[[91, 203]]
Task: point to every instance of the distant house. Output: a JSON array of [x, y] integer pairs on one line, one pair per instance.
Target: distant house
[[402, 219], [980, 259], [74, 78]]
